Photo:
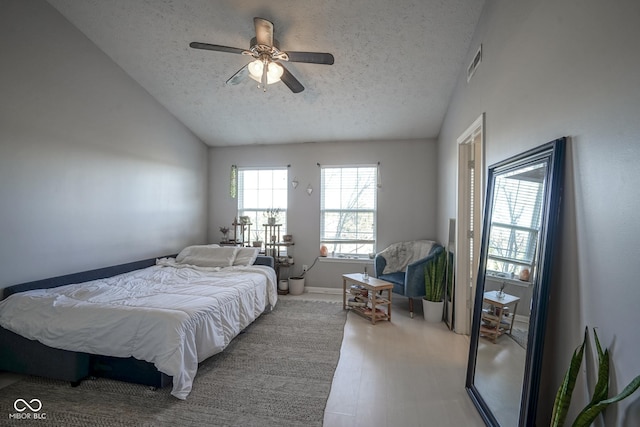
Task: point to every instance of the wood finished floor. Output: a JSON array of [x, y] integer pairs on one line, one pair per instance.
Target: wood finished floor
[[393, 374], [401, 373]]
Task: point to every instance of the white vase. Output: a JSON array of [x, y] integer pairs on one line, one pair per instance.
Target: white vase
[[296, 285], [432, 310]]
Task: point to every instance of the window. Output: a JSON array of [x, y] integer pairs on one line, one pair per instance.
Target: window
[[258, 191], [517, 213], [348, 210]]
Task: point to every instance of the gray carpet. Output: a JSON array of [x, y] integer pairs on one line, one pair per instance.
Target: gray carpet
[[520, 336], [277, 373]]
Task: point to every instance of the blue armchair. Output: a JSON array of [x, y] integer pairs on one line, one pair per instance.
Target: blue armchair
[[409, 281]]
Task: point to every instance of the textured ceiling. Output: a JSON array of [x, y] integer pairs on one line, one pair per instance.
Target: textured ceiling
[[396, 63]]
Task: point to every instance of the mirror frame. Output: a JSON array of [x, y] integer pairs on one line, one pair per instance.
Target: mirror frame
[[554, 153]]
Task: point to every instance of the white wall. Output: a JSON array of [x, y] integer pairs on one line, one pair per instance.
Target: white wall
[[557, 68], [93, 171], [406, 201]]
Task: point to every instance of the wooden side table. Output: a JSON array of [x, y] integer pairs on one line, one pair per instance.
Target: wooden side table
[[495, 321], [373, 287]]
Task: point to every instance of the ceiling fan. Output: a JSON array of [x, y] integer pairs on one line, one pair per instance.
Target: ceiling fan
[[267, 68]]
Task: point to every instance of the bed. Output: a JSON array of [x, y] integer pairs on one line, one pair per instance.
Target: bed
[[149, 322]]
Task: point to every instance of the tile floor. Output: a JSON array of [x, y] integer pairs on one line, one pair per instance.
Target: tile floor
[[401, 373]]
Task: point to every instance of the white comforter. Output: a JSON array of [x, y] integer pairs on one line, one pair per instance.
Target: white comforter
[[171, 316]]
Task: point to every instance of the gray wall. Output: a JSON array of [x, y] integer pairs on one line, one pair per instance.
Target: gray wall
[[557, 68], [406, 201], [93, 171]]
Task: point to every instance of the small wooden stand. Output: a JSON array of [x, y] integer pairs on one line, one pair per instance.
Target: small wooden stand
[[373, 286], [495, 318]]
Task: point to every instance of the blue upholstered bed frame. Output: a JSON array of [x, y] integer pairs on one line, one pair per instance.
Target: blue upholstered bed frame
[[24, 356]]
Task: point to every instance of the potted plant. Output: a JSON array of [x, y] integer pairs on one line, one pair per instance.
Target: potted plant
[[257, 243], [434, 275], [600, 398], [272, 215], [225, 234]]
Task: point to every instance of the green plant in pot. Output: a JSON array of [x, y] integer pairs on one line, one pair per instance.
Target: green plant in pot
[[434, 282], [599, 400], [272, 215]]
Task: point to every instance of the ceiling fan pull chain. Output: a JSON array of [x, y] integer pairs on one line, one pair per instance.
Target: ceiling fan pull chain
[[265, 67]]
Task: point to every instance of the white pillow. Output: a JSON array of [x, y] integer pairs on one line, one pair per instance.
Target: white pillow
[[246, 256], [207, 256]]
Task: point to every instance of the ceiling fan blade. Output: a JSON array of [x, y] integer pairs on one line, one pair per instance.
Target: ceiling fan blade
[[239, 76], [311, 57], [291, 82], [217, 48], [264, 31]]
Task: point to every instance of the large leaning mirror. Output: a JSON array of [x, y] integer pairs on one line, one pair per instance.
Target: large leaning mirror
[[520, 220]]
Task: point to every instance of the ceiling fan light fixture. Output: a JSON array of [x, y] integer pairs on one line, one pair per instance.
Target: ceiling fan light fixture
[[274, 71]]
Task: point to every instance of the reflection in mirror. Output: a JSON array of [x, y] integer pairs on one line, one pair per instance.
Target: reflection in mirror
[[512, 289], [449, 290]]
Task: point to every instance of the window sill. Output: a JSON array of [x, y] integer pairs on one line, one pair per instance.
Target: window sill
[[514, 281], [346, 260]]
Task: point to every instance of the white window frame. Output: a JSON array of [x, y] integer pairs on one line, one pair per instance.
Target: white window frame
[[331, 243], [258, 219], [512, 258]]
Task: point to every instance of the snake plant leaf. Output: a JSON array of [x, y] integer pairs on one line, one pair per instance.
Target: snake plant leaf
[[434, 275], [601, 391], [563, 396], [588, 415]]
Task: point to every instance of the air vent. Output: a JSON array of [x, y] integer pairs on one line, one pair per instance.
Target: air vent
[[477, 59]]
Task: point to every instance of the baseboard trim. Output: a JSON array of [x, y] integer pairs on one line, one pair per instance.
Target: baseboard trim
[[319, 290], [522, 318]]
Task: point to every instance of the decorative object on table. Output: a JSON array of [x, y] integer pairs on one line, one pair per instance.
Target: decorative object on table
[[272, 215], [434, 275], [225, 234], [324, 251], [257, 242], [599, 400], [501, 292]]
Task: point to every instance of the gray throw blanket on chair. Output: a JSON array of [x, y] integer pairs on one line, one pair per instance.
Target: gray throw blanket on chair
[[401, 254]]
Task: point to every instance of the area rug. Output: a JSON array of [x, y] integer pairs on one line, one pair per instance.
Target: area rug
[[276, 373], [520, 336]]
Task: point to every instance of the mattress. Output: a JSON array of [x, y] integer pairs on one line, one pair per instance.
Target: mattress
[[173, 316]]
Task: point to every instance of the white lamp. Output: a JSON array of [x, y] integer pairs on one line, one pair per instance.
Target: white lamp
[[274, 71]]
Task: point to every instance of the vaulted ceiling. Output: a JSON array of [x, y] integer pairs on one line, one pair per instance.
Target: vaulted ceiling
[[396, 64]]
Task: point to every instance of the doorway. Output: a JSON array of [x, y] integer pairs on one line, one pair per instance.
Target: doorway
[[468, 229]]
